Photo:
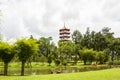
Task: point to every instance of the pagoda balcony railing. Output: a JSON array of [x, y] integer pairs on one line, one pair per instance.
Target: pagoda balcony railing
[[64, 36], [65, 33]]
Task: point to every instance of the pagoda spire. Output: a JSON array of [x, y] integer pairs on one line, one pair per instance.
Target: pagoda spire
[[64, 26]]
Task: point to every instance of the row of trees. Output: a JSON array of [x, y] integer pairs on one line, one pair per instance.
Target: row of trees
[[103, 40], [99, 46], [23, 49], [92, 46]]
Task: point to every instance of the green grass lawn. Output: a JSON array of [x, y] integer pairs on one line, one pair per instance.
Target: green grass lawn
[[109, 74]]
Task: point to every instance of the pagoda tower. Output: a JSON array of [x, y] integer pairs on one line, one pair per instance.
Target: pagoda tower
[[64, 33]]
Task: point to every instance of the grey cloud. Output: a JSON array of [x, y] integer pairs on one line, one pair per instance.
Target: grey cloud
[[70, 15], [45, 17], [113, 13], [32, 25]]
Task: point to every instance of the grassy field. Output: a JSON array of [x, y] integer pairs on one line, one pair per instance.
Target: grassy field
[[109, 74]]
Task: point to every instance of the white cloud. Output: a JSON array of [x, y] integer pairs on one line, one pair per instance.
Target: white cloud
[[45, 17]]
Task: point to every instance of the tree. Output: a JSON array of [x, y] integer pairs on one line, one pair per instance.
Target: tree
[[46, 48], [100, 42], [106, 32], [75, 55], [76, 37], [101, 57], [66, 50], [108, 35], [87, 55], [86, 39], [92, 42], [56, 55], [7, 52], [25, 48], [53, 53], [115, 49], [42, 59]]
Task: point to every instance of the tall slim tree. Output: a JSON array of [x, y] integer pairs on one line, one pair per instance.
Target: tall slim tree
[[76, 37], [92, 42], [52, 53], [86, 39], [46, 48]]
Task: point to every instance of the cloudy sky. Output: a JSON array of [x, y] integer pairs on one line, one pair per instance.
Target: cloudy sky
[[22, 18]]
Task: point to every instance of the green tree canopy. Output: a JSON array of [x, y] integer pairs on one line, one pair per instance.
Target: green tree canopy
[[87, 55], [66, 50], [76, 37], [26, 48], [7, 52]]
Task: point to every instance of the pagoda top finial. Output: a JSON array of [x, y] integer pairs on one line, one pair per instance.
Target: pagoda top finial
[[64, 26]]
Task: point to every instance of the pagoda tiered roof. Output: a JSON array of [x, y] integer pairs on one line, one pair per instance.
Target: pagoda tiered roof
[[64, 29], [64, 34]]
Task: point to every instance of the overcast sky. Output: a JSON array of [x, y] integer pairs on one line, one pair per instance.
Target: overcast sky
[[22, 18]]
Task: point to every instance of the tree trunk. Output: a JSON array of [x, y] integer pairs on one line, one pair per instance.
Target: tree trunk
[[96, 62], [112, 57], [22, 68], [91, 62], [5, 68], [84, 62]]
